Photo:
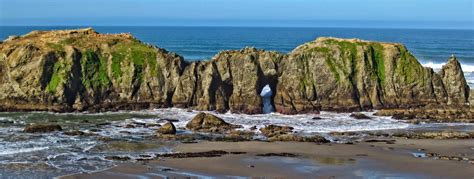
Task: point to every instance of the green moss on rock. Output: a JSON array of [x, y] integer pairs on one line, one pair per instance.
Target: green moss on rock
[[139, 54], [378, 55], [329, 62], [408, 67], [94, 68], [55, 78], [117, 58]]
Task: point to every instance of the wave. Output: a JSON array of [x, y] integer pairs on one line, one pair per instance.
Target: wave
[[466, 68], [302, 123], [11, 151]]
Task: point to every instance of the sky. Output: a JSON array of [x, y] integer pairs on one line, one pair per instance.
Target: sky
[[304, 13]]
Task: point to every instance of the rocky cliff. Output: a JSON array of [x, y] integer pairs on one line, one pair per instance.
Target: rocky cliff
[[78, 70]]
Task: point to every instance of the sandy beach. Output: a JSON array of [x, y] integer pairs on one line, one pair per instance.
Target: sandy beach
[[310, 160]]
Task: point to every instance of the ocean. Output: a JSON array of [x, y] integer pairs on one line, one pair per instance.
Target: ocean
[[54, 154], [431, 47]]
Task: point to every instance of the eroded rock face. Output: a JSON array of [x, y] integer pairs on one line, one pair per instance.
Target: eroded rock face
[[454, 82], [82, 70], [471, 97], [77, 70], [231, 81], [353, 75]]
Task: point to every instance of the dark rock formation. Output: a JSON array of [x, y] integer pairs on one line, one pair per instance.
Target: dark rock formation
[[436, 135], [167, 128], [432, 114], [274, 130], [454, 82], [285, 134], [74, 133], [206, 122], [82, 70], [352, 75], [359, 116], [298, 138], [42, 128]]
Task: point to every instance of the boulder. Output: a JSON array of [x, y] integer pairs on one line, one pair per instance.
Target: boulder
[[42, 128], [167, 128], [275, 130], [359, 116], [74, 133], [208, 123]]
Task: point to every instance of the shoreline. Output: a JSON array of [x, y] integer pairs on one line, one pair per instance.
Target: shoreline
[[321, 160], [134, 143]]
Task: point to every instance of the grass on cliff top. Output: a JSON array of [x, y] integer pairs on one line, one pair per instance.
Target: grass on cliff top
[[137, 53], [349, 56], [408, 67]]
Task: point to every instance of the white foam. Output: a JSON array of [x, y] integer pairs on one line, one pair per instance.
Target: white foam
[[21, 150], [266, 95], [467, 69], [438, 66], [302, 123]]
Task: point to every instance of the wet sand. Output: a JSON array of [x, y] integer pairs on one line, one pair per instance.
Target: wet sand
[[359, 160]]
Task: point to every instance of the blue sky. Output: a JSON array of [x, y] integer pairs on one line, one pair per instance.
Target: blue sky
[[383, 13]]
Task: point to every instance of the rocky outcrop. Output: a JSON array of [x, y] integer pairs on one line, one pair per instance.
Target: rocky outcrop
[[359, 116], [471, 97], [42, 128], [285, 134], [77, 70], [206, 122], [167, 129], [231, 80], [352, 75], [454, 82], [82, 70], [274, 130], [432, 114]]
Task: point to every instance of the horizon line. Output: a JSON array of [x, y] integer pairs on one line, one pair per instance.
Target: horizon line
[[242, 26]]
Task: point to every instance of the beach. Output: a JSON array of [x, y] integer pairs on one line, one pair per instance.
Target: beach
[[129, 145], [310, 160]]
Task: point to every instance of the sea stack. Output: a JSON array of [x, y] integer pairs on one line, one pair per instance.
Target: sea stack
[[82, 70]]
